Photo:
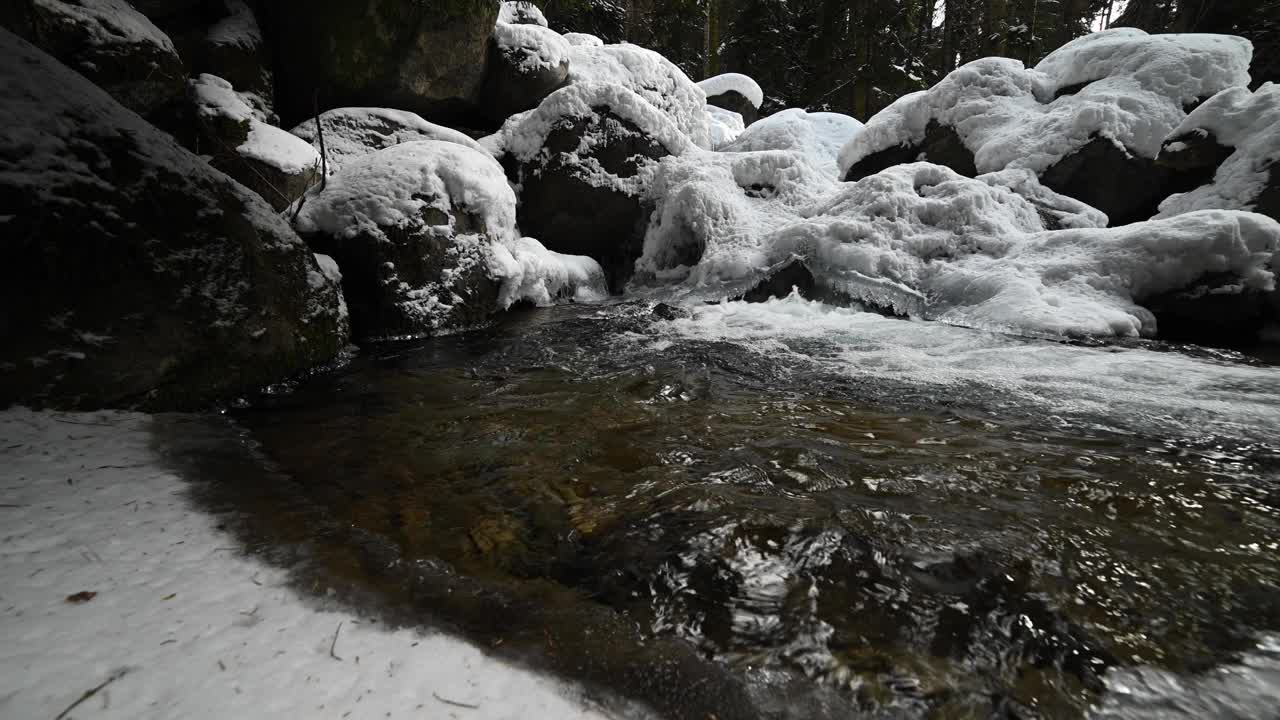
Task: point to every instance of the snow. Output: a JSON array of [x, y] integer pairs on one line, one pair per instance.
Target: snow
[[725, 126], [532, 273], [524, 137], [817, 136], [354, 132], [328, 274], [239, 29], [391, 188], [109, 22], [1247, 121], [1008, 117], [216, 98], [531, 48], [583, 39], [923, 241], [1065, 211], [521, 12], [733, 82], [649, 75], [186, 623]]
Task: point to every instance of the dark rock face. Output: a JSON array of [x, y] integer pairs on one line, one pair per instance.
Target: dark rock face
[[560, 206], [794, 277], [113, 45], [737, 102], [1125, 186], [1212, 311], [224, 38], [941, 146], [511, 86], [1193, 151], [413, 56], [133, 274]]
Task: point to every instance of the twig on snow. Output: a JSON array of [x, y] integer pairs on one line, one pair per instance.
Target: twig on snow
[[454, 703], [333, 645], [94, 691]]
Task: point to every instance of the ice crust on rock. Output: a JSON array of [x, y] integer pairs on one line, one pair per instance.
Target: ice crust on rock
[[215, 98], [817, 136], [735, 82], [1247, 121], [1010, 116], [725, 126], [353, 132], [532, 273], [921, 240]]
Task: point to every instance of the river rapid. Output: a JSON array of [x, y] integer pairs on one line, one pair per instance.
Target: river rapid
[[788, 509]]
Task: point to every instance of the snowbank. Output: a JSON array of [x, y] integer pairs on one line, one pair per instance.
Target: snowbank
[[215, 99], [1009, 116], [354, 132], [921, 240], [181, 623], [733, 82], [583, 40], [1249, 123], [532, 273], [817, 136], [396, 187]]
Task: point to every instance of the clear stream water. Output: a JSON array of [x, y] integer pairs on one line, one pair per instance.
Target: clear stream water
[[793, 510]]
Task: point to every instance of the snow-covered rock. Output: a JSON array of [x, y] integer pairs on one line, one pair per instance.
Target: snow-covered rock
[[143, 276], [583, 39], [923, 241], [227, 41], [736, 92], [113, 45], [647, 74], [1089, 119], [818, 136], [585, 157], [520, 12], [526, 62], [1245, 126], [275, 164], [411, 227], [350, 133], [534, 274]]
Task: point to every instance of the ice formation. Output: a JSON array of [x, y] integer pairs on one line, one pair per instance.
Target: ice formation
[[532, 273], [1247, 121], [353, 132], [725, 126], [921, 240], [1119, 84], [734, 82], [817, 136]]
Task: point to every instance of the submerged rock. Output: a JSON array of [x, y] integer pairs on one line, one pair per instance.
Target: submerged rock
[[411, 228], [133, 274]]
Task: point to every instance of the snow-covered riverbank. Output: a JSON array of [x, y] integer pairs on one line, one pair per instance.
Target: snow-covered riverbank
[[116, 594]]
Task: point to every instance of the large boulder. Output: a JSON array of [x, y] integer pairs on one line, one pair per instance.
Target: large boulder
[[585, 157], [427, 58], [112, 44], [224, 38], [350, 133], [526, 63], [277, 165], [412, 228], [131, 273]]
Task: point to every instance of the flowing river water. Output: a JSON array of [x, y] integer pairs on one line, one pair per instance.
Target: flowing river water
[[790, 510]]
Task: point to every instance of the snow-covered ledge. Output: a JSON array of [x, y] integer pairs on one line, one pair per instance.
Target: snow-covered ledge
[[119, 597]]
